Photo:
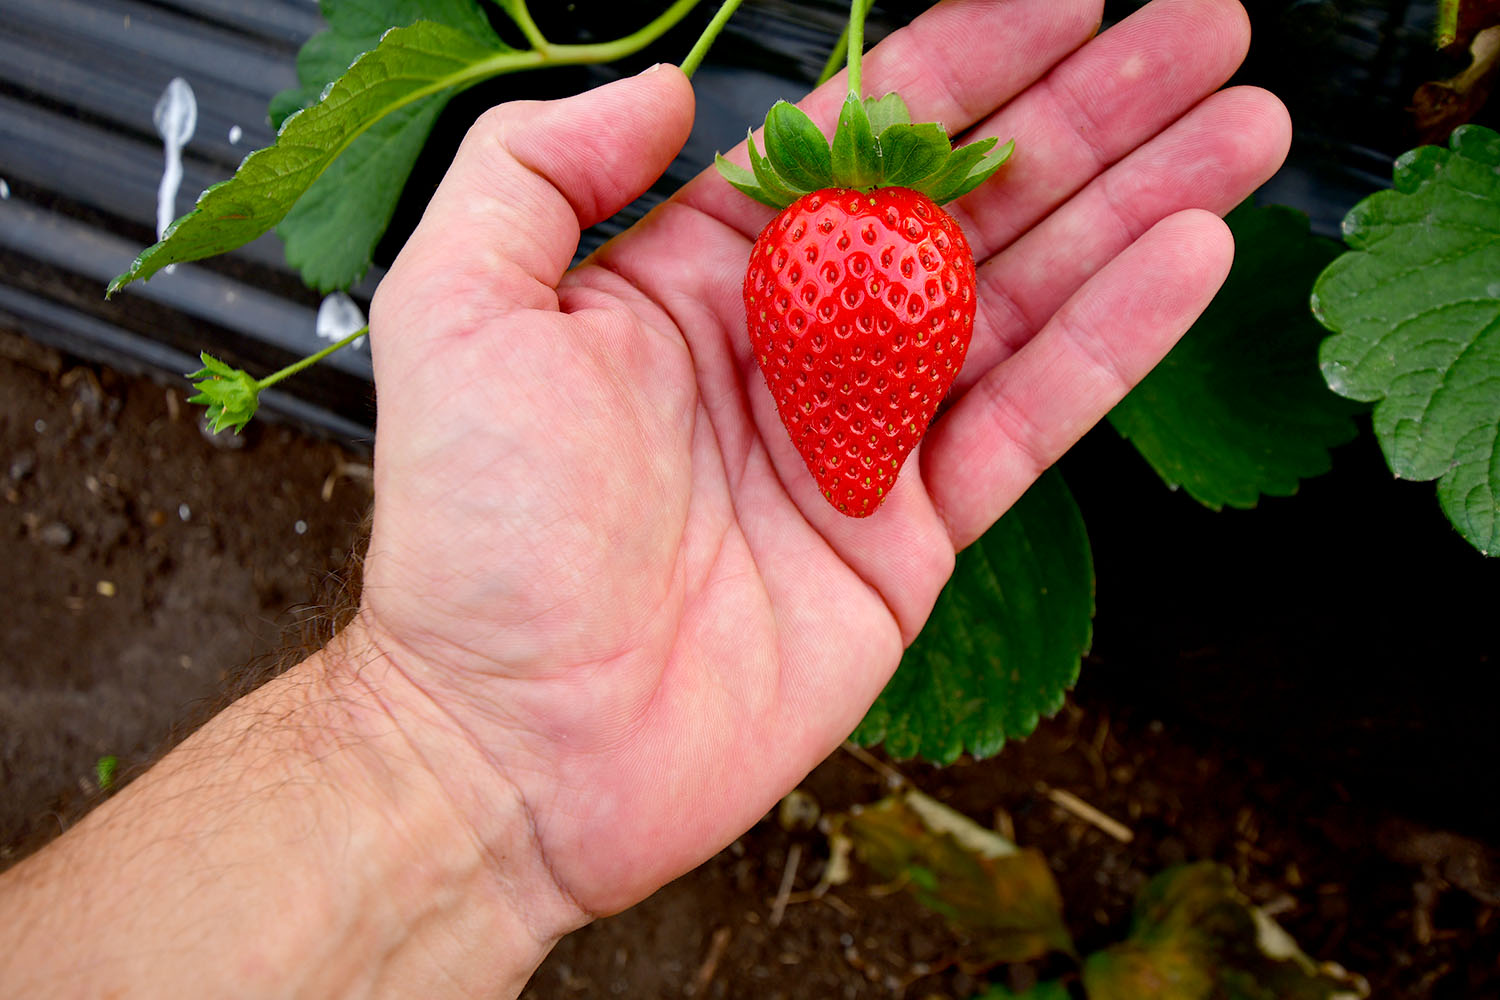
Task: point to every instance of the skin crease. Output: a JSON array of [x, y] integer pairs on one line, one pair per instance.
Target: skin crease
[[608, 620]]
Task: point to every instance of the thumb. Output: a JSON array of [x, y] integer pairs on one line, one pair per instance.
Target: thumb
[[529, 177]]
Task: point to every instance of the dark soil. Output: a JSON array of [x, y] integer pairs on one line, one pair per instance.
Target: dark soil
[[1342, 766]]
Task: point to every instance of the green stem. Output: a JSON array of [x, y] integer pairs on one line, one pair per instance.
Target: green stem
[[839, 54], [311, 359], [519, 14], [836, 58], [1447, 30], [857, 12], [621, 47], [710, 35]]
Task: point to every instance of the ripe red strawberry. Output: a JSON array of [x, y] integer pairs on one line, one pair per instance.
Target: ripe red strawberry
[[860, 307], [860, 296]]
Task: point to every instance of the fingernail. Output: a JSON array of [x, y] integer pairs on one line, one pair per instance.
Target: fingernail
[[651, 69]]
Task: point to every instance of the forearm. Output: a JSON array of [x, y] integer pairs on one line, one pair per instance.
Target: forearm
[[309, 841]]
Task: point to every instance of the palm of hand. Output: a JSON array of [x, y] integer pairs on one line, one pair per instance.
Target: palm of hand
[[591, 530]]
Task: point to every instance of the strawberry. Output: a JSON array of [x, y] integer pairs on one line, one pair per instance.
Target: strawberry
[[860, 295], [860, 307]]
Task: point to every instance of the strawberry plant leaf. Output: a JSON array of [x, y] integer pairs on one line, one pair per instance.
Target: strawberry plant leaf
[[954, 179], [1001, 900], [855, 156], [744, 180], [1004, 642], [409, 64], [332, 231], [1237, 410], [886, 111], [992, 160], [778, 195], [1195, 935], [1414, 307], [799, 152], [910, 154], [354, 28]]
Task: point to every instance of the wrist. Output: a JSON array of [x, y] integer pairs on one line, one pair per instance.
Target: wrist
[[470, 896], [326, 836]]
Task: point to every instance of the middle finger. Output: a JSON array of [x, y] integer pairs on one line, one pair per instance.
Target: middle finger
[[1114, 94]]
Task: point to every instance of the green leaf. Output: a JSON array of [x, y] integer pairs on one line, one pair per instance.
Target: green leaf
[[991, 161], [410, 64], [743, 180], [1004, 642], [332, 233], [770, 182], [911, 153], [333, 229], [886, 111], [1001, 900], [1237, 409], [354, 28], [856, 157], [798, 152], [1415, 311], [961, 163], [1195, 936]]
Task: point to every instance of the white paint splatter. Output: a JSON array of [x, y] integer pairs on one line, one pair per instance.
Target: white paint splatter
[[235, 133], [176, 118], [339, 316]]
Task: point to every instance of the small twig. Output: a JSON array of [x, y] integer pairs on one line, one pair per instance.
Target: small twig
[[346, 470], [788, 877], [893, 777], [710, 964], [838, 904], [1071, 803], [890, 888]]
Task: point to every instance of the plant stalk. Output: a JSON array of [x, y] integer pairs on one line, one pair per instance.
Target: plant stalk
[[857, 12], [1447, 23], [518, 13], [311, 359], [710, 35], [839, 54]]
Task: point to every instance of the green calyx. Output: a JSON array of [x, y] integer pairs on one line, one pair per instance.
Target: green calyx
[[875, 145], [230, 394]]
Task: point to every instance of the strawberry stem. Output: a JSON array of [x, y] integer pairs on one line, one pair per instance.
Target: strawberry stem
[[311, 359], [710, 35], [839, 54], [857, 11]]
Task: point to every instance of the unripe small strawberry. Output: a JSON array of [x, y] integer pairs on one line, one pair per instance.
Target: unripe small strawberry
[[860, 296], [860, 307]]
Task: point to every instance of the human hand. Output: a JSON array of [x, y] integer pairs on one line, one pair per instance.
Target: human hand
[[598, 559]]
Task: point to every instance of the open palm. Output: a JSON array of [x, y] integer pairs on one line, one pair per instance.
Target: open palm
[[595, 548]]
